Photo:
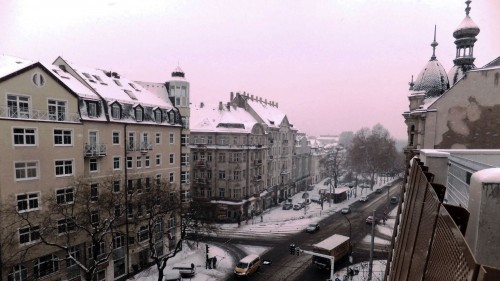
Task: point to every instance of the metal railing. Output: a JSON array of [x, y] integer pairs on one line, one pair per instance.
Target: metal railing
[[37, 114], [94, 150]]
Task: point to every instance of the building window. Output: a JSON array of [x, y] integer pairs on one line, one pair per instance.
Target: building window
[[93, 165], [222, 175], [119, 240], [138, 114], [158, 138], [143, 233], [158, 116], [185, 177], [171, 138], [57, 110], [46, 265], [138, 186], [209, 140], [94, 192], [28, 202], [29, 234], [119, 267], [26, 170], [158, 159], [118, 211], [147, 163], [222, 193], [92, 109], [171, 178], [209, 156], [66, 225], [94, 217], [116, 111], [116, 186], [184, 140], [18, 106], [138, 162], [65, 196], [18, 273], [131, 141], [129, 162], [24, 136], [64, 167], [116, 137], [171, 158], [63, 137], [116, 163], [184, 159], [222, 157]]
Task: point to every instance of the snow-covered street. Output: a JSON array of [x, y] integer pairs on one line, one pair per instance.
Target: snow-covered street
[[280, 223]]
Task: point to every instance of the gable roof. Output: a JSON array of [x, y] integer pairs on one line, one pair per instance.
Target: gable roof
[[221, 118]]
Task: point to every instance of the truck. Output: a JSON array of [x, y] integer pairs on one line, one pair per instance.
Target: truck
[[336, 245]]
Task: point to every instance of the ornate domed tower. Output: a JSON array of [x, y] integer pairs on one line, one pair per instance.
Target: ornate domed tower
[[432, 79], [465, 36]]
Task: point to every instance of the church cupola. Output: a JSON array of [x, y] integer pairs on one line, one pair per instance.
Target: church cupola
[[465, 37], [178, 72], [432, 79]]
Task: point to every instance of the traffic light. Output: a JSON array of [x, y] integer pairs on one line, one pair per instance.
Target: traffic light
[[206, 247], [297, 251], [292, 249]]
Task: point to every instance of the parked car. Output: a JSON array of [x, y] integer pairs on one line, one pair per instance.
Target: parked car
[[313, 227], [378, 190], [346, 210], [394, 200], [316, 200], [310, 187], [297, 207], [287, 206], [363, 199], [307, 202], [371, 220]]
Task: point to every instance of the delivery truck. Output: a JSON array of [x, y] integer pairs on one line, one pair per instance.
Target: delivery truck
[[335, 245]]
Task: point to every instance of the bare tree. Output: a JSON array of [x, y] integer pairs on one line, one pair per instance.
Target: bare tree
[[372, 152], [79, 222], [162, 206]]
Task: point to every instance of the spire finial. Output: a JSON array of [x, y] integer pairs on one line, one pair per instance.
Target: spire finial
[[467, 10], [411, 83], [434, 44]]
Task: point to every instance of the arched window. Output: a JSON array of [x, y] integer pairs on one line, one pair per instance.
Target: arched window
[[138, 114], [158, 115], [18, 273]]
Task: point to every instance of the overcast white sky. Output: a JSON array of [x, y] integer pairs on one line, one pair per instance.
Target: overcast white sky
[[332, 65]]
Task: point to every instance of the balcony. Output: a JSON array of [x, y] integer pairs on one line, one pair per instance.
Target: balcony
[[36, 114], [257, 162], [131, 146], [201, 164], [200, 181], [145, 147], [257, 178], [94, 150]]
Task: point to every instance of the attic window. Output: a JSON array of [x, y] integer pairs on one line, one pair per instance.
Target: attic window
[[138, 114], [115, 111], [117, 82], [130, 94], [60, 74], [134, 87], [158, 115], [88, 77], [272, 122], [98, 78]]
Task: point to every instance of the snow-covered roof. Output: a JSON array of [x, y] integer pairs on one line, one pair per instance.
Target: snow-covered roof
[[270, 114], [331, 242], [221, 118], [113, 87], [71, 82], [10, 64]]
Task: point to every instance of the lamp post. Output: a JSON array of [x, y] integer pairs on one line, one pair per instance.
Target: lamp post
[[350, 243]]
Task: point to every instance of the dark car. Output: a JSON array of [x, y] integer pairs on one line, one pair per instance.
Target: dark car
[[378, 190], [297, 207], [394, 200], [313, 227], [287, 206]]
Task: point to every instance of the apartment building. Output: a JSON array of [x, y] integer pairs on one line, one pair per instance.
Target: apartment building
[[67, 124]]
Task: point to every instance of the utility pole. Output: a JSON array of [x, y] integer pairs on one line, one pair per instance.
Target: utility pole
[[370, 265]]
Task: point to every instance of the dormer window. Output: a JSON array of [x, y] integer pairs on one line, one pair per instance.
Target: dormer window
[[158, 115], [134, 87], [116, 111], [138, 114], [92, 109], [172, 117], [130, 94]]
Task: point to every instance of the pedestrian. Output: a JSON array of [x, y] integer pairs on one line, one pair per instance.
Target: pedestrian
[[214, 260], [261, 219], [206, 263], [210, 263]]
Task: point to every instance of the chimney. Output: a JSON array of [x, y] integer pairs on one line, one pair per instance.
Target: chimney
[[251, 97], [232, 96], [276, 105], [228, 106], [265, 101], [260, 99], [201, 105], [220, 105]]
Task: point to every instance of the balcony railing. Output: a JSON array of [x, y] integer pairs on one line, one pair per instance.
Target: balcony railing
[[37, 114], [94, 150], [145, 146], [257, 178]]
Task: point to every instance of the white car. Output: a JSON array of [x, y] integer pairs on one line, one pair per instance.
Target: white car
[[363, 199]]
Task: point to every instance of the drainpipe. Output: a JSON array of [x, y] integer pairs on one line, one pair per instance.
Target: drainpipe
[[127, 248]]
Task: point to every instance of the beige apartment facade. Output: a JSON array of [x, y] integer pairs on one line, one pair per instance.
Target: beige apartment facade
[[61, 129]]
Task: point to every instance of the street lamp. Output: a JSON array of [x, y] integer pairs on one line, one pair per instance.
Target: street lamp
[[350, 243]]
